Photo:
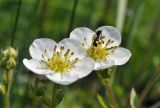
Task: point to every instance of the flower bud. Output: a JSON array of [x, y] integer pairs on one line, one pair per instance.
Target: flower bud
[[13, 52], [11, 63], [8, 58]]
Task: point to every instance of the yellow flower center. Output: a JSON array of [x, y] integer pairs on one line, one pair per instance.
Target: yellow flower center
[[59, 62], [97, 53], [99, 50]]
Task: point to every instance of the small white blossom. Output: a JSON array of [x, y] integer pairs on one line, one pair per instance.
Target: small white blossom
[[102, 46], [63, 63]]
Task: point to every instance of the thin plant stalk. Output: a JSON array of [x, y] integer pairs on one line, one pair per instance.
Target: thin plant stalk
[[7, 102], [8, 80], [147, 88], [110, 92], [72, 16], [111, 82], [42, 16], [53, 103], [16, 22], [108, 89]]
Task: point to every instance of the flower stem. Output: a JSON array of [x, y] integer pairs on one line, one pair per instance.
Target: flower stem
[[7, 88], [148, 87], [7, 102], [110, 92], [53, 103], [105, 81]]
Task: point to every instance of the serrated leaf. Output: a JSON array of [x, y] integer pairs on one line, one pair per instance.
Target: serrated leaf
[[101, 101]]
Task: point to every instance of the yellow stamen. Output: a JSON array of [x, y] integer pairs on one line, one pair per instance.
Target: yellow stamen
[[60, 62], [100, 51]]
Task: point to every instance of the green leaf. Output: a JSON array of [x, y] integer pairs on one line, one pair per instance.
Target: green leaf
[[101, 101], [133, 98]]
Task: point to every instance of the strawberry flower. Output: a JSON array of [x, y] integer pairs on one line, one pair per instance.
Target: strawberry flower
[[102, 46], [63, 63]]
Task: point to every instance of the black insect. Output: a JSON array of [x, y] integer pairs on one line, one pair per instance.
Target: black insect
[[98, 35]]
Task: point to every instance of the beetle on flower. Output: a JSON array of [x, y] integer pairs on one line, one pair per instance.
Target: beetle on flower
[[102, 46], [63, 63]]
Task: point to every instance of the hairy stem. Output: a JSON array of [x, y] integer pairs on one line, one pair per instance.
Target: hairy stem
[[7, 88], [110, 92], [7, 102]]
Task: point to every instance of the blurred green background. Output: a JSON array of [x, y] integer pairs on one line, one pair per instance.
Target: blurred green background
[[22, 21]]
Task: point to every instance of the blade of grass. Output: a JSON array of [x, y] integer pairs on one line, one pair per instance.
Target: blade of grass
[[24, 47], [156, 105], [134, 21], [42, 17], [148, 86], [121, 12], [149, 48], [16, 22], [31, 20], [131, 30], [72, 16]]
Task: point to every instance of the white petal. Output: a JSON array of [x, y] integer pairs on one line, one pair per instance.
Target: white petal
[[103, 64], [83, 67], [39, 46], [35, 66], [120, 56], [74, 46], [65, 78], [111, 33], [81, 33]]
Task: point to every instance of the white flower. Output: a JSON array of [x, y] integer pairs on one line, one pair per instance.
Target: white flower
[[102, 46], [62, 63]]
